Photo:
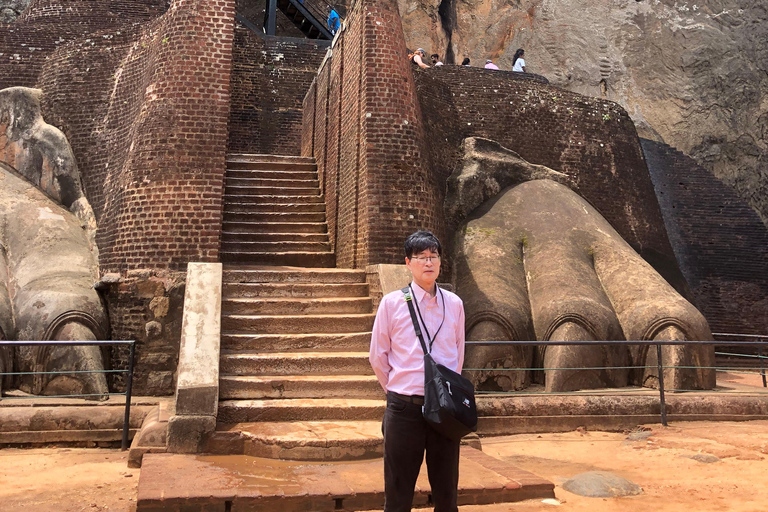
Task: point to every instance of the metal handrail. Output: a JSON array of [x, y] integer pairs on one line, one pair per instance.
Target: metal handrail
[[660, 366], [71, 343]]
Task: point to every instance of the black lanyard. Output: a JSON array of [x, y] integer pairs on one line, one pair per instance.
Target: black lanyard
[[429, 338]]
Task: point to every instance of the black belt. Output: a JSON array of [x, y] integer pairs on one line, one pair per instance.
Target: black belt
[[414, 399]]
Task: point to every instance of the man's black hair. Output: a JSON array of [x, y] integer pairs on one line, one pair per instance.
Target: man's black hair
[[422, 241]]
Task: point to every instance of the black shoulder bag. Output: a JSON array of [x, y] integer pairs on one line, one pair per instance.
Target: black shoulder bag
[[449, 398]]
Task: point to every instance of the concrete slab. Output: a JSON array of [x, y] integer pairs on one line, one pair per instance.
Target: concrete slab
[[239, 482]]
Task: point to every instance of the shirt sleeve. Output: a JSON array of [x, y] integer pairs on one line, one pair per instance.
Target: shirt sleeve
[[460, 337], [380, 344]]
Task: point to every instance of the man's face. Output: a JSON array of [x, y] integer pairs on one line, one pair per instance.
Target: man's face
[[425, 267], [434, 60]]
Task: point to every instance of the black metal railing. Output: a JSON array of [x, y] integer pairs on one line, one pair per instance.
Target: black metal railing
[[751, 341], [660, 366], [127, 371]]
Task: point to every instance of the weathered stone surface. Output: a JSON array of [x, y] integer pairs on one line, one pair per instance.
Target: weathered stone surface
[[692, 74], [197, 388], [11, 9], [189, 434], [601, 484], [50, 274], [568, 276], [41, 153]]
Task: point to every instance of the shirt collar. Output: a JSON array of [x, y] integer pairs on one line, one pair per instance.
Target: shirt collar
[[420, 293]]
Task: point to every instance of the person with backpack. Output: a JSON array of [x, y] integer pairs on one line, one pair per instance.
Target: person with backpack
[[418, 57]]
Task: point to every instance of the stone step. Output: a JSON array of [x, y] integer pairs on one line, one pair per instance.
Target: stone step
[[292, 275], [297, 259], [261, 157], [271, 166], [299, 386], [309, 409], [234, 236], [295, 306], [297, 324], [278, 214], [281, 183], [267, 174], [279, 208], [354, 341], [272, 196], [275, 227], [289, 289], [276, 246], [295, 363], [307, 440], [270, 191]]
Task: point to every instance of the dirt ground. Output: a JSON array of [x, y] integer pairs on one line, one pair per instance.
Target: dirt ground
[[656, 458]]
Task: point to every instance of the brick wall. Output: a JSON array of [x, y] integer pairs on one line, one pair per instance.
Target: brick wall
[[270, 77], [366, 119], [720, 242], [47, 25], [145, 106]]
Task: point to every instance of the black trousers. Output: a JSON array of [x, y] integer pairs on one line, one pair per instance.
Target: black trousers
[[406, 437]]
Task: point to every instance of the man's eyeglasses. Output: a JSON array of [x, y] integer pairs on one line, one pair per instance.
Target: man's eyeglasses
[[424, 259]]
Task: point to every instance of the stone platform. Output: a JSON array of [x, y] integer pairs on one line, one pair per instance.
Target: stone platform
[[173, 482]]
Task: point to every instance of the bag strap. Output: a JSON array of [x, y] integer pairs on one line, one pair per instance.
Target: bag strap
[[409, 300]]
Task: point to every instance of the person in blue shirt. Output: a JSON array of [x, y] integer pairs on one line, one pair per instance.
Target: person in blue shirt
[[333, 21]]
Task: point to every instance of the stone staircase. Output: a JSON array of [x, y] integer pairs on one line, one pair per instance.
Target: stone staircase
[[274, 213], [295, 381]]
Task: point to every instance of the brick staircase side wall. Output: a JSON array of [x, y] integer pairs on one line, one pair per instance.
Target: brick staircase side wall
[[363, 109], [720, 242], [270, 77], [47, 25]]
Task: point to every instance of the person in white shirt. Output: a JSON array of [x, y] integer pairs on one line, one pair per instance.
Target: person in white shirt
[[436, 60], [518, 63]]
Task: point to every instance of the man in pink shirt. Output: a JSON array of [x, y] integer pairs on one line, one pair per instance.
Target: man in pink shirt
[[398, 361]]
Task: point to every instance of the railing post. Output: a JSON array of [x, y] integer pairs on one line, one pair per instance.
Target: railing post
[[129, 385], [663, 402], [762, 364], [270, 17]]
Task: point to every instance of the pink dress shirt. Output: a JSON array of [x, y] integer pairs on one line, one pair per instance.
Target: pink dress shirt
[[396, 355]]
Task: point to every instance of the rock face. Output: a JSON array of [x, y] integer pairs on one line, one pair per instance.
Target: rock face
[[691, 74], [11, 9]]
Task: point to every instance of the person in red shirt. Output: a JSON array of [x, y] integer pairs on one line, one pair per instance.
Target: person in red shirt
[[397, 360]]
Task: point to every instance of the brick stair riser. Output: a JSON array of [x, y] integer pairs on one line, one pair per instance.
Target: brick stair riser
[[297, 290], [271, 166], [312, 184], [260, 157], [270, 175], [229, 414], [280, 246], [263, 197], [296, 324], [281, 365], [230, 190], [310, 277], [295, 307], [228, 236], [307, 212], [265, 343], [277, 216], [283, 388], [319, 259], [320, 228]]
